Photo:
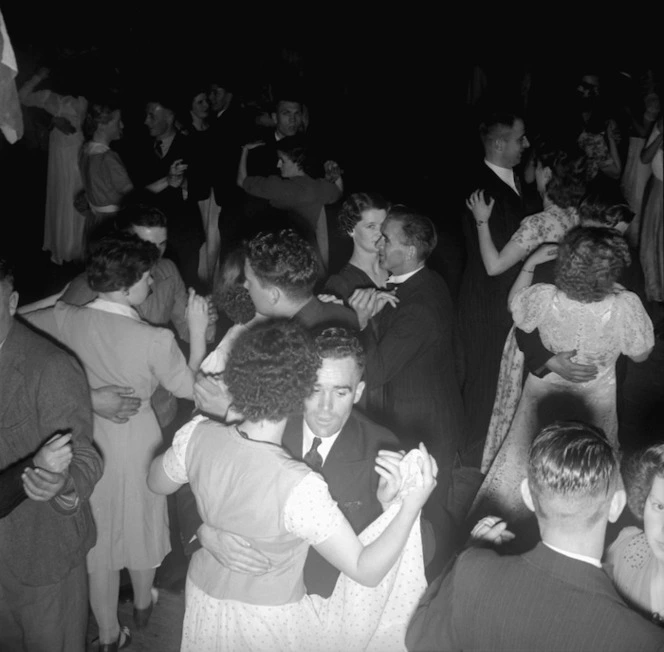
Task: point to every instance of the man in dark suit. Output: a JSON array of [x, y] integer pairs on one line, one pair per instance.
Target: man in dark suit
[[555, 597], [484, 319], [47, 529], [337, 441], [412, 345], [159, 168]]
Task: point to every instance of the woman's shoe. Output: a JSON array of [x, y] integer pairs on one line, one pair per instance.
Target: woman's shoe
[[124, 641], [142, 616]]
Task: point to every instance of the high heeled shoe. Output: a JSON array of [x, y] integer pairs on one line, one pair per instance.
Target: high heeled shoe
[[124, 641], [142, 616]]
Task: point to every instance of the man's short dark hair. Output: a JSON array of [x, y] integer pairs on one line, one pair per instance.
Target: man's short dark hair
[[337, 343], [143, 215], [6, 271], [496, 125], [574, 463], [118, 260], [287, 95], [418, 230], [285, 260]]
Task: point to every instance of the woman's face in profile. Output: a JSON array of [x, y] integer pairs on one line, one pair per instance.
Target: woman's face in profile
[[653, 518], [366, 235], [200, 106]]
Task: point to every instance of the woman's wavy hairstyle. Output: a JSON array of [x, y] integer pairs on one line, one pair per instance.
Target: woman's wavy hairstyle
[[569, 172], [639, 471], [270, 371], [100, 112], [590, 261], [229, 294], [351, 210], [118, 261]]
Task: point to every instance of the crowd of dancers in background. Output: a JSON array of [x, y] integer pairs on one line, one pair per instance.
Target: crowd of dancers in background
[[351, 426]]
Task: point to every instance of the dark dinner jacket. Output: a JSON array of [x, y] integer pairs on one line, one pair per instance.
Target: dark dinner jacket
[[412, 371], [540, 600], [43, 391], [352, 481], [484, 317], [318, 314]]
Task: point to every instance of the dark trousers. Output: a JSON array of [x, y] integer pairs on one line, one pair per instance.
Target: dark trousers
[[51, 618]]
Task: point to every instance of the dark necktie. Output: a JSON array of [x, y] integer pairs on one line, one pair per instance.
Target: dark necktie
[[313, 458], [517, 183], [391, 286], [157, 148]]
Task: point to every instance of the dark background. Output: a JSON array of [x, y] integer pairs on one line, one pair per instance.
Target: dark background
[[387, 93]]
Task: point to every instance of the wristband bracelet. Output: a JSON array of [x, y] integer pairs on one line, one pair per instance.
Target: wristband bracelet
[[528, 271], [480, 222]]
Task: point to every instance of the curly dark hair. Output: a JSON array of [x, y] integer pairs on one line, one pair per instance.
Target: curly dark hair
[[270, 371], [118, 260], [299, 151], [569, 171], [351, 210], [337, 343], [418, 230], [229, 294], [286, 260], [639, 471], [590, 261], [604, 205]]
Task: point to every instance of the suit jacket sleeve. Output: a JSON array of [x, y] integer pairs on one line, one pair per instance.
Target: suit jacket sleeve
[[431, 627], [535, 354], [189, 519], [64, 406], [11, 488], [400, 344]]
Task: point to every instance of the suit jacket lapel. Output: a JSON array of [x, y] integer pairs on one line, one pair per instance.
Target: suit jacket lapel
[[11, 368], [292, 439]]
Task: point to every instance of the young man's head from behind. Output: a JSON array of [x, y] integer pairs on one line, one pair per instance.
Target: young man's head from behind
[[573, 481], [280, 268]]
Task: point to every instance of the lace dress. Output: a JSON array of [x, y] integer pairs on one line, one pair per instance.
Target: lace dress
[[599, 332], [549, 226], [355, 617]]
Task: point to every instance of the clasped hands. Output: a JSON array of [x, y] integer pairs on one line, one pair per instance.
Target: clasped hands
[[368, 302], [237, 554], [51, 471]]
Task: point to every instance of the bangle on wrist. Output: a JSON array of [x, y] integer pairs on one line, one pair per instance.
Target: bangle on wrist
[[480, 222], [528, 271]]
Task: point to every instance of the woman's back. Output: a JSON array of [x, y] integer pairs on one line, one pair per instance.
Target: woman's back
[[599, 331], [256, 490]]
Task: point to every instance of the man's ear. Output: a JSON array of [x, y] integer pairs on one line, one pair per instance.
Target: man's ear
[[617, 505], [526, 495], [359, 390], [13, 303], [274, 118], [274, 294], [412, 252]]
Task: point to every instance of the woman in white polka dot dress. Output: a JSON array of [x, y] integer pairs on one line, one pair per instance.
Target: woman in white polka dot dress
[[247, 484]]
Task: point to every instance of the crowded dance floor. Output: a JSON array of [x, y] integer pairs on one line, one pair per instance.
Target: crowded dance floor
[[321, 343]]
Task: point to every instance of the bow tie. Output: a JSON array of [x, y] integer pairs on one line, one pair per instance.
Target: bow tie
[[391, 286]]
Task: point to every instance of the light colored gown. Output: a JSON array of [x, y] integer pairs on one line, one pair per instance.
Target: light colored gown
[[548, 226], [63, 225], [117, 348], [599, 332]]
